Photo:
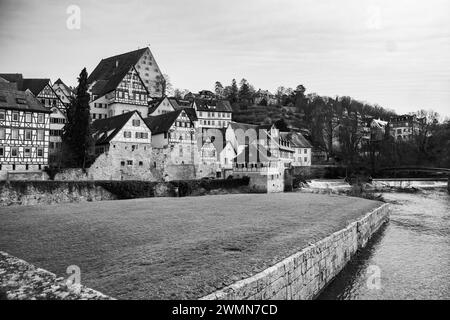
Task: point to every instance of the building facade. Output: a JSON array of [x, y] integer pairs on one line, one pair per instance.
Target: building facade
[[302, 156], [123, 148], [24, 133], [175, 131], [404, 127], [213, 114], [118, 90]]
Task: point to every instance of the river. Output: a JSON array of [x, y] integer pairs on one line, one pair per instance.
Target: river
[[409, 258]]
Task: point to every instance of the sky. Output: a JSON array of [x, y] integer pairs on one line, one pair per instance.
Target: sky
[[392, 53]]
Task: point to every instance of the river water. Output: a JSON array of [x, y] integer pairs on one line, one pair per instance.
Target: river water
[[409, 258]]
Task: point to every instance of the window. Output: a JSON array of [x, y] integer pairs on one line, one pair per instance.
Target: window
[[15, 116], [28, 134], [305, 159], [129, 162], [122, 163], [2, 133], [141, 163], [27, 117], [40, 134], [40, 152], [305, 151], [40, 118], [14, 152], [136, 123], [2, 151], [52, 145], [21, 101], [2, 114], [27, 152], [15, 133], [127, 134]]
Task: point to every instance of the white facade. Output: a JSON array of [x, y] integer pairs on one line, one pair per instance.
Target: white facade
[[302, 157], [57, 122]]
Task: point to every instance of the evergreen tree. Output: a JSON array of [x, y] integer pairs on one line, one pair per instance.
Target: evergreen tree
[[77, 139], [245, 95], [233, 94]]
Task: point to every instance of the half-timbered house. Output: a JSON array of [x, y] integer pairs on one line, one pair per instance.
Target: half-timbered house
[[24, 132], [46, 93], [175, 131]]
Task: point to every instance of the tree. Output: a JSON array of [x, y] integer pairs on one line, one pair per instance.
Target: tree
[[279, 95], [281, 125], [233, 92], [162, 85], [77, 138], [245, 95]]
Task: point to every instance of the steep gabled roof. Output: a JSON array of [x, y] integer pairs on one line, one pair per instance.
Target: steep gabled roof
[[19, 100], [112, 70], [106, 129], [34, 85], [13, 77], [297, 139], [213, 105], [162, 123], [60, 82]]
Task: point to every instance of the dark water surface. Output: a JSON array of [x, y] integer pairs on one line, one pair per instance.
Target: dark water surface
[[412, 253]]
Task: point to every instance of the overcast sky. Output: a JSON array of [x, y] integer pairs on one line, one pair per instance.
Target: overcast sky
[[394, 53]]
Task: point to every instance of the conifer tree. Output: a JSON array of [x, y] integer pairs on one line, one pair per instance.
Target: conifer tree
[[77, 139]]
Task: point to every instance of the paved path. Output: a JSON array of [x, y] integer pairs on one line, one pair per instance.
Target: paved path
[[172, 248]]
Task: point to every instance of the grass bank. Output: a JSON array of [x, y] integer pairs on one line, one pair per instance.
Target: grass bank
[[173, 248]]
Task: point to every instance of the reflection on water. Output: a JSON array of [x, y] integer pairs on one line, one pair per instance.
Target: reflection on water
[[412, 252]]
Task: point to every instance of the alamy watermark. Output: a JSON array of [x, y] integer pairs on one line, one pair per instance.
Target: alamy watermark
[[374, 277], [73, 21]]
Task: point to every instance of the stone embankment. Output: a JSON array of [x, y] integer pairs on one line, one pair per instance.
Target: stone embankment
[[20, 280], [51, 192], [305, 274]]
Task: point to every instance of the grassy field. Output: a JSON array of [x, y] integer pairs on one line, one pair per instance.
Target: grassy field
[[172, 248]]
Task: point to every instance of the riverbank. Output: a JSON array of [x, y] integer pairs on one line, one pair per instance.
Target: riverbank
[[411, 253], [178, 248]]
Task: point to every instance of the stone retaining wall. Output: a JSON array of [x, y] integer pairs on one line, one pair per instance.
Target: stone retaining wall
[[305, 274], [20, 280], [48, 192]]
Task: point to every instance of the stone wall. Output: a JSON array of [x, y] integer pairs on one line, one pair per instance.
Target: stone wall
[[305, 274], [50, 192], [20, 280], [122, 163]]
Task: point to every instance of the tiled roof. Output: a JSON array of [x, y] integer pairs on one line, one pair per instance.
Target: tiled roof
[[13, 77], [297, 139], [34, 85], [162, 123], [106, 129], [112, 70], [213, 105], [13, 96], [22, 84]]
